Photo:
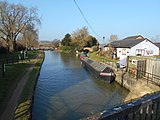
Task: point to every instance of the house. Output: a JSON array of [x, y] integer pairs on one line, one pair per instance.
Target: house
[[158, 45], [133, 46]]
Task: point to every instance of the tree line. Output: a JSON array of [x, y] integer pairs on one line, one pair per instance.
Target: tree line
[[79, 39], [18, 25]]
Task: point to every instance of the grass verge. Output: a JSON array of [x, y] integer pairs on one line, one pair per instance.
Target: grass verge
[[98, 58], [13, 75], [23, 110]]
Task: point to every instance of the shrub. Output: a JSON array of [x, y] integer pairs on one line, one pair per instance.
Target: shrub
[[20, 47], [67, 49], [95, 48], [3, 49]]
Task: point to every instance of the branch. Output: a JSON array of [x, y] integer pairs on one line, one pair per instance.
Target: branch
[[3, 32], [3, 38]]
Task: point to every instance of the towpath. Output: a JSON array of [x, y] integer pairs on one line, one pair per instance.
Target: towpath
[[9, 111]]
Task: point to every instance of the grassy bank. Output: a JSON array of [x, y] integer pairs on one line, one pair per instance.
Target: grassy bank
[[23, 110], [98, 58], [13, 75]]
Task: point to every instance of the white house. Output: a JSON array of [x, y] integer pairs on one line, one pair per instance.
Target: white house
[[134, 46]]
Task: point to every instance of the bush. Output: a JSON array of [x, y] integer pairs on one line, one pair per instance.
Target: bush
[[67, 49], [3, 49], [95, 48], [20, 47]]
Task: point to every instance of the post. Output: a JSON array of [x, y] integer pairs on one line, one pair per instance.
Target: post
[[148, 79], [3, 70], [103, 40], [137, 74], [127, 63], [152, 72], [122, 77]]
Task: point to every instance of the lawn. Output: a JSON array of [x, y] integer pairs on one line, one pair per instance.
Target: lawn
[[98, 58]]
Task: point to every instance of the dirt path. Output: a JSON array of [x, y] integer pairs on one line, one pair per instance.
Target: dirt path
[[9, 111]]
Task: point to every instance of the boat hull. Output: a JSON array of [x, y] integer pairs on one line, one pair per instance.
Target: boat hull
[[105, 74]]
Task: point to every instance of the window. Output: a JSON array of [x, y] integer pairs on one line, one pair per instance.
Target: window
[[149, 52], [140, 52], [124, 51]]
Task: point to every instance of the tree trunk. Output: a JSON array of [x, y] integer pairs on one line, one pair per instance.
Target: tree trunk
[[14, 45], [10, 46]]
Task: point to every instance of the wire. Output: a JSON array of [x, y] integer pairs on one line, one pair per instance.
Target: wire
[[86, 19]]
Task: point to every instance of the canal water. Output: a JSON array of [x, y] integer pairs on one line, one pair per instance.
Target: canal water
[[66, 91]]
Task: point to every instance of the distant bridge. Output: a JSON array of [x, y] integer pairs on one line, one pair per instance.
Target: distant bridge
[[88, 48], [45, 48]]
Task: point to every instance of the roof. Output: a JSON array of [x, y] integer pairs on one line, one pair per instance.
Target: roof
[[127, 42], [137, 37], [157, 44]]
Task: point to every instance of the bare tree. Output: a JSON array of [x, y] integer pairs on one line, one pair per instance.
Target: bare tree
[[13, 19], [79, 36], [55, 43], [156, 38], [30, 36], [113, 38]]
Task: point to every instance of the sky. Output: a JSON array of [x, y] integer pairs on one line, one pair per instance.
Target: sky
[[121, 17]]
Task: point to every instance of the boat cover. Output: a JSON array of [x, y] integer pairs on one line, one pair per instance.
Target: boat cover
[[97, 66]]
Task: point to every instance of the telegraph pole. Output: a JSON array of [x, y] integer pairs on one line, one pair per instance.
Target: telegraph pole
[[103, 40]]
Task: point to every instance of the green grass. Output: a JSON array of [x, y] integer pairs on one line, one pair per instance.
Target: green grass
[[13, 74], [8, 84], [25, 101], [98, 58], [24, 105], [32, 54], [67, 49], [28, 89]]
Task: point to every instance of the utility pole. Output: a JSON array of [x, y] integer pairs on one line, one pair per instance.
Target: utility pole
[[103, 40]]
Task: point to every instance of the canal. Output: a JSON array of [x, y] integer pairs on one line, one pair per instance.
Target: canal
[[66, 91]]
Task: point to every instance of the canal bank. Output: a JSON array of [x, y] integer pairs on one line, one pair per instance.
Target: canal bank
[[19, 106], [24, 108], [137, 87], [141, 90]]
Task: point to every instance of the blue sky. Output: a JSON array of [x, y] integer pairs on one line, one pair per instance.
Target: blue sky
[[120, 17]]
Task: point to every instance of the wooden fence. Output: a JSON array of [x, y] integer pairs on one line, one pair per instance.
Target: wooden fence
[[149, 77], [153, 66], [145, 108]]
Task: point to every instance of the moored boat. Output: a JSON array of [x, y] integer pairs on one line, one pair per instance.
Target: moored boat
[[99, 70]]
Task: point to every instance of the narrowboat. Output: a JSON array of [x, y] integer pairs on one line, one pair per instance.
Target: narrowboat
[[99, 70]]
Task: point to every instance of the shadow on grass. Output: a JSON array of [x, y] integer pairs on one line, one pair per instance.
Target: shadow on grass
[[22, 112], [13, 74]]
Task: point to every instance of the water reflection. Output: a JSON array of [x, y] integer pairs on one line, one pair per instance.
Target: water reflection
[[67, 91]]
